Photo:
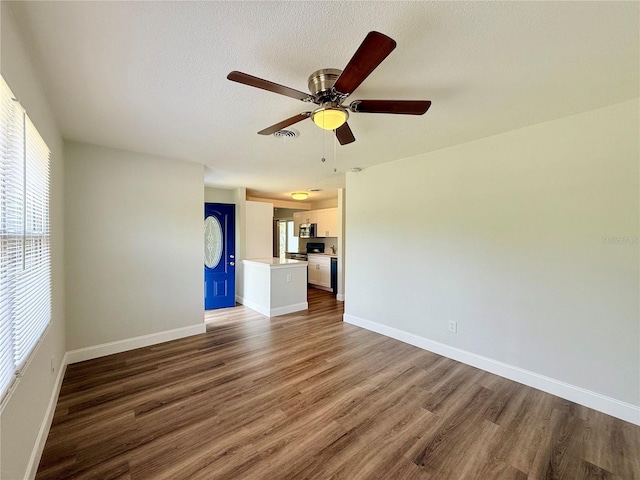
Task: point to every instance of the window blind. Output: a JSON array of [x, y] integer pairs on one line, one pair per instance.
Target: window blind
[[25, 250]]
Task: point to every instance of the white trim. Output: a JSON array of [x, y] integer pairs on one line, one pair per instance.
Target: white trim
[[253, 306], [273, 312], [118, 346], [340, 297], [321, 287], [45, 426], [587, 398], [296, 307]]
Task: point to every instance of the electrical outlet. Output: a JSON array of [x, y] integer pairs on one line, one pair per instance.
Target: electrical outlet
[[288, 277], [453, 326]]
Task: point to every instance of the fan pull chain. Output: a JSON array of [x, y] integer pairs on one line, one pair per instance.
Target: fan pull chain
[[335, 150]]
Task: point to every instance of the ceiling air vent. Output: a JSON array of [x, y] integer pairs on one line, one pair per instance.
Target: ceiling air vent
[[287, 133]]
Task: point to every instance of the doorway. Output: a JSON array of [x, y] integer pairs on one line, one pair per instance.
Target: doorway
[[219, 256], [284, 240]]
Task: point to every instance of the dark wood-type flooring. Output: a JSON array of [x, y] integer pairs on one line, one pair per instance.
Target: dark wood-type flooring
[[306, 396]]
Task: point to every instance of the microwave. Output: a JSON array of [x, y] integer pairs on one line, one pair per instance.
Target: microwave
[[307, 230]]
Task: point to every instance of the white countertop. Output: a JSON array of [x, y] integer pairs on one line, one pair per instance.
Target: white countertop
[[275, 262]]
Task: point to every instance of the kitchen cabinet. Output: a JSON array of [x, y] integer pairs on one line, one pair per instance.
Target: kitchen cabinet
[[310, 216], [319, 273], [275, 286], [300, 218], [327, 224], [326, 221]]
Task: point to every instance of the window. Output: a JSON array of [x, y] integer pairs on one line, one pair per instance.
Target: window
[[287, 241], [292, 240], [25, 273]]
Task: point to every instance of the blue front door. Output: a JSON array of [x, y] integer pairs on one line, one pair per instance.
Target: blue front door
[[219, 256]]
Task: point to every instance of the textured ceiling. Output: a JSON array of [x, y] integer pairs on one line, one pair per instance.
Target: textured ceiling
[[151, 76]]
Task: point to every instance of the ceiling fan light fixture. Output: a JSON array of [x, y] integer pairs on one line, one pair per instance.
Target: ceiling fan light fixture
[[330, 118], [299, 195]]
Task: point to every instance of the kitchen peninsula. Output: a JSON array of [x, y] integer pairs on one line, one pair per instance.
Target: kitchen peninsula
[[275, 286]]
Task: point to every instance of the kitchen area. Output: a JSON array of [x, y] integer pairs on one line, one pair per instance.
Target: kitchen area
[[310, 236], [285, 248]]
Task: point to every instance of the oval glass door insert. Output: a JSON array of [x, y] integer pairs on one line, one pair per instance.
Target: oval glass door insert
[[212, 242]]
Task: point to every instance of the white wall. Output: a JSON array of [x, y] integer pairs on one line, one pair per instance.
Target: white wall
[[328, 203], [290, 204], [254, 234], [134, 244], [25, 410], [288, 289], [285, 213], [240, 200], [508, 236], [218, 195], [342, 242], [259, 230]]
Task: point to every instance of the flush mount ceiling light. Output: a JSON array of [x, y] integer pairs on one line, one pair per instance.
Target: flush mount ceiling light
[[299, 195], [330, 117]]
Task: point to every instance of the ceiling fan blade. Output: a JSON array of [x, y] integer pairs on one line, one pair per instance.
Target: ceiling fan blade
[[404, 107], [269, 86], [373, 50], [344, 134], [284, 123]]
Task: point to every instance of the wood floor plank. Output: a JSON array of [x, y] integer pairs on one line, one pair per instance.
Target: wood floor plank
[[305, 396], [556, 453]]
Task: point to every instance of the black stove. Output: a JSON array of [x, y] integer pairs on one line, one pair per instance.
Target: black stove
[[313, 247]]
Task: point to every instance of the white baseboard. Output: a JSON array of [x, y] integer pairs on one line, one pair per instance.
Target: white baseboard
[[587, 398], [273, 312], [45, 426], [320, 287], [110, 348], [340, 297], [253, 306], [296, 307]]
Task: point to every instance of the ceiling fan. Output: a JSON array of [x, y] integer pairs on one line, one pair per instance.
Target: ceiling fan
[[330, 87]]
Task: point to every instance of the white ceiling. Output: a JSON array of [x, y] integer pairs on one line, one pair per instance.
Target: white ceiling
[[151, 76]]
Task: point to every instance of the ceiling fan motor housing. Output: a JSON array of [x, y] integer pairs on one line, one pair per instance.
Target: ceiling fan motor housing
[[321, 83]]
